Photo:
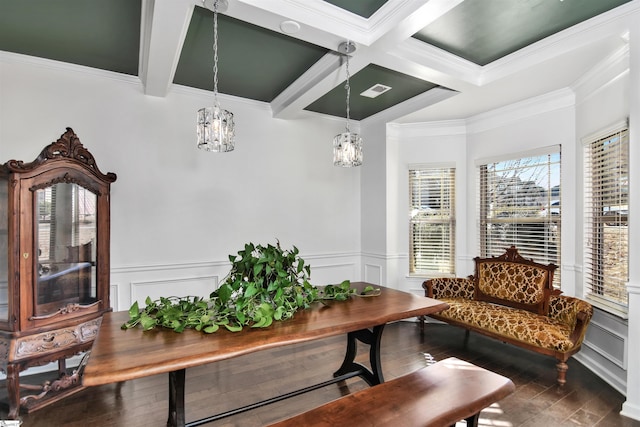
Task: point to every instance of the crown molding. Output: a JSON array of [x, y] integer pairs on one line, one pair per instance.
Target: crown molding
[[51, 64], [421, 130], [604, 74], [207, 96], [557, 100]]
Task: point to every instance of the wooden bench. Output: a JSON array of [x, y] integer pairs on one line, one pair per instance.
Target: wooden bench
[[438, 395]]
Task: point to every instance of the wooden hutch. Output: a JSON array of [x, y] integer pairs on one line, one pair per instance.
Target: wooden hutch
[[54, 266]]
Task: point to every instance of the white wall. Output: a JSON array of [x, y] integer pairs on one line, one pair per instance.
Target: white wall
[[374, 195], [178, 212], [437, 144]]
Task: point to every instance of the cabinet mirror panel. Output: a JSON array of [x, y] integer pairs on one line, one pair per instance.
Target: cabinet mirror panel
[[4, 249], [66, 245]]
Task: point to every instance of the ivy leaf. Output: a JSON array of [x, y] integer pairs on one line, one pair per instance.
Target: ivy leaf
[[234, 328], [251, 290], [260, 323], [224, 293], [257, 269], [147, 322], [241, 317], [134, 311], [269, 322], [211, 329], [369, 290]]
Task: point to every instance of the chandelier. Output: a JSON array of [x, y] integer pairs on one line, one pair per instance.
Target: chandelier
[[215, 127], [347, 146]]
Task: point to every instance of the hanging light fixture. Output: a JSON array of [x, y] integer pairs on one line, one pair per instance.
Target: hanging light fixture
[[347, 146], [215, 129]]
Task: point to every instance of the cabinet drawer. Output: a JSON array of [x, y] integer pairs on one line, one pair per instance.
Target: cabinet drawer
[[56, 340]]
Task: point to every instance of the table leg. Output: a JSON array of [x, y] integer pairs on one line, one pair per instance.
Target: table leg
[[373, 339], [176, 398]]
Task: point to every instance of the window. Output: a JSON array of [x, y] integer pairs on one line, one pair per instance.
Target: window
[[606, 233], [66, 217], [432, 220], [519, 205]]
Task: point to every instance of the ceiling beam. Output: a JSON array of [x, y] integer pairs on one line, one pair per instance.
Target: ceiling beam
[[165, 24], [316, 82], [310, 85], [377, 43], [427, 62]]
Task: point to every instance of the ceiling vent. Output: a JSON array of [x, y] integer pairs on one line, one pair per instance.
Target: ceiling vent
[[375, 90]]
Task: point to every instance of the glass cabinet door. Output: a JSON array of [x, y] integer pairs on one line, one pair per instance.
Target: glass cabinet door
[[65, 241], [4, 249]]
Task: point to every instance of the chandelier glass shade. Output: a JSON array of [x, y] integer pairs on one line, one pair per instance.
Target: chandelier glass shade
[[347, 146], [215, 129], [215, 126], [347, 149]]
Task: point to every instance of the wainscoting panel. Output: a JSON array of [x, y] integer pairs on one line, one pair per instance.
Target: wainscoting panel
[[332, 273], [191, 286], [373, 274], [606, 342], [114, 297], [135, 283], [604, 349]]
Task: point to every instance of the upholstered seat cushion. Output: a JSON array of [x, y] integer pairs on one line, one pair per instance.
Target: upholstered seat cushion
[[521, 325]]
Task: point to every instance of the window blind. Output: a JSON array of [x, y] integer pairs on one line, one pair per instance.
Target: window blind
[[519, 204], [432, 220], [606, 234], [46, 200]]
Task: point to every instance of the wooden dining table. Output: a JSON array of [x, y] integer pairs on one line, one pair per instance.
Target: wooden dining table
[[119, 355]]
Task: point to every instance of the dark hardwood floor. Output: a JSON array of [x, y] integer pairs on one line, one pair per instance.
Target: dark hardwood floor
[[586, 400]]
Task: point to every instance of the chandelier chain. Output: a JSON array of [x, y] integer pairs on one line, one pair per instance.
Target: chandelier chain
[[215, 51], [347, 86]]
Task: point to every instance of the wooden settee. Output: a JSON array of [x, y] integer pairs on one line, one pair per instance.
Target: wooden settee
[[512, 299]]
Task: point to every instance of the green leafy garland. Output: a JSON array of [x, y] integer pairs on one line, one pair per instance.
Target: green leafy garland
[[264, 284]]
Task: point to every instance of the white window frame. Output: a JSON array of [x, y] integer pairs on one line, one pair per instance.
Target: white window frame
[[519, 203], [606, 215], [432, 206]]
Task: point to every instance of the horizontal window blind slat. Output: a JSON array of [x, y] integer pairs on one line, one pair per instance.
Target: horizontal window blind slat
[[606, 186], [519, 204], [432, 222]]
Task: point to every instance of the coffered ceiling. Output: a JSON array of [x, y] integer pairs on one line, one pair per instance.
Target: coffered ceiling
[[480, 53]]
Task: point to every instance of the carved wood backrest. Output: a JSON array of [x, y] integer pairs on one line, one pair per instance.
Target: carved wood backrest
[[514, 281]]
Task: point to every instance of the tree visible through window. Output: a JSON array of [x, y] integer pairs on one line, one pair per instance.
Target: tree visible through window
[[432, 220], [519, 205], [606, 202]]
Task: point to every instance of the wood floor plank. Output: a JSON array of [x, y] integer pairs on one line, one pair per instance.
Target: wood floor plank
[[585, 400]]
